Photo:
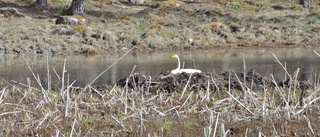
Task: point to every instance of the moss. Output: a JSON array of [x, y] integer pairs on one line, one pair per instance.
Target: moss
[[315, 9], [215, 24], [167, 125], [297, 7], [224, 1], [99, 3], [235, 5], [76, 17], [79, 28], [168, 33], [236, 26], [258, 25], [155, 26], [125, 18], [168, 4], [188, 124]]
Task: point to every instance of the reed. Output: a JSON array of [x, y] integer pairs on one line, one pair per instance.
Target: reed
[[121, 111]]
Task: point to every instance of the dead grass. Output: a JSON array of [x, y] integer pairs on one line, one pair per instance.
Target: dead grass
[[33, 110], [208, 24]]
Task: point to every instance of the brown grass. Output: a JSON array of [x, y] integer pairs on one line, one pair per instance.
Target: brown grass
[[32, 110], [29, 109]]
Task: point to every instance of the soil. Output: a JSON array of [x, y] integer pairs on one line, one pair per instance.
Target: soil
[[157, 25]]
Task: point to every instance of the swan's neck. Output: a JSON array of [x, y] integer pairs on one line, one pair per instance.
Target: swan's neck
[[178, 64]]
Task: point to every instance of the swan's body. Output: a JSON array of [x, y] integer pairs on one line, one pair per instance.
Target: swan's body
[[178, 70]]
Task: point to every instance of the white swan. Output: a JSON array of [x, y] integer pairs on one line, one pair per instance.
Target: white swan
[[178, 70]]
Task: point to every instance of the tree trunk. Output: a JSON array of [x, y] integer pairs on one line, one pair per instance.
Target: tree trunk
[[42, 2], [307, 3], [76, 8]]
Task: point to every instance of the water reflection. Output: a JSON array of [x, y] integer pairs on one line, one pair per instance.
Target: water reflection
[[84, 69]]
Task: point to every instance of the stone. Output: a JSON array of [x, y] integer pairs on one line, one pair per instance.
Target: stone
[[71, 20]]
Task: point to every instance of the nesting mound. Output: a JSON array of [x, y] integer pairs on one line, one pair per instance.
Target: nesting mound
[[204, 81]]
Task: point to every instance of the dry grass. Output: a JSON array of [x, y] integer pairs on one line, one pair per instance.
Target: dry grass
[[28, 109], [32, 110]]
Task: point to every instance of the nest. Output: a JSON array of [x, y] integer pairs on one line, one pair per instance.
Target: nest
[[203, 81]]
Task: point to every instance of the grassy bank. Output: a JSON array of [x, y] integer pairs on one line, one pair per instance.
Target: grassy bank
[[159, 25]]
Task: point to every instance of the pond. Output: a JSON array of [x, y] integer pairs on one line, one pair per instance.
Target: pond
[[84, 69]]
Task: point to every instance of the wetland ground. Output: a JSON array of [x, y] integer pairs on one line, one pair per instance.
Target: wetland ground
[[157, 25], [229, 104]]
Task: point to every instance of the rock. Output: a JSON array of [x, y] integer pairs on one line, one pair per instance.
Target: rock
[[64, 31], [262, 30], [247, 36], [219, 26], [90, 50], [261, 38], [236, 28], [87, 33], [136, 2], [71, 20], [316, 29], [109, 38]]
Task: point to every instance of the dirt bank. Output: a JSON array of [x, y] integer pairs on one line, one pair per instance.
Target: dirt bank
[[158, 25]]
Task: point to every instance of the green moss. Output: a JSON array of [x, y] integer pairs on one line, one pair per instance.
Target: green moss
[[156, 26], [169, 33], [167, 125], [235, 5], [79, 28], [125, 18], [188, 124]]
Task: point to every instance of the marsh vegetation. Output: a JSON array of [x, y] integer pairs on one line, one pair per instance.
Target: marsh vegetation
[[206, 104], [200, 104]]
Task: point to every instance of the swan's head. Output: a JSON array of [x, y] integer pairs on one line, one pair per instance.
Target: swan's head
[[174, 56]]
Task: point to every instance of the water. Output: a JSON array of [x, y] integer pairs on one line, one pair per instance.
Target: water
[[83, 69]]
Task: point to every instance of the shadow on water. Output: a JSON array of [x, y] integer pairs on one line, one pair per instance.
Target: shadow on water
[[84, 69]]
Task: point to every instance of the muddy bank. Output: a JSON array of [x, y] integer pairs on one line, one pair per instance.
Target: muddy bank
[[158, 25], [213, 82]]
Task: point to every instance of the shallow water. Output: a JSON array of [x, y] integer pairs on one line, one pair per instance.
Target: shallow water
[[84, 69]]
